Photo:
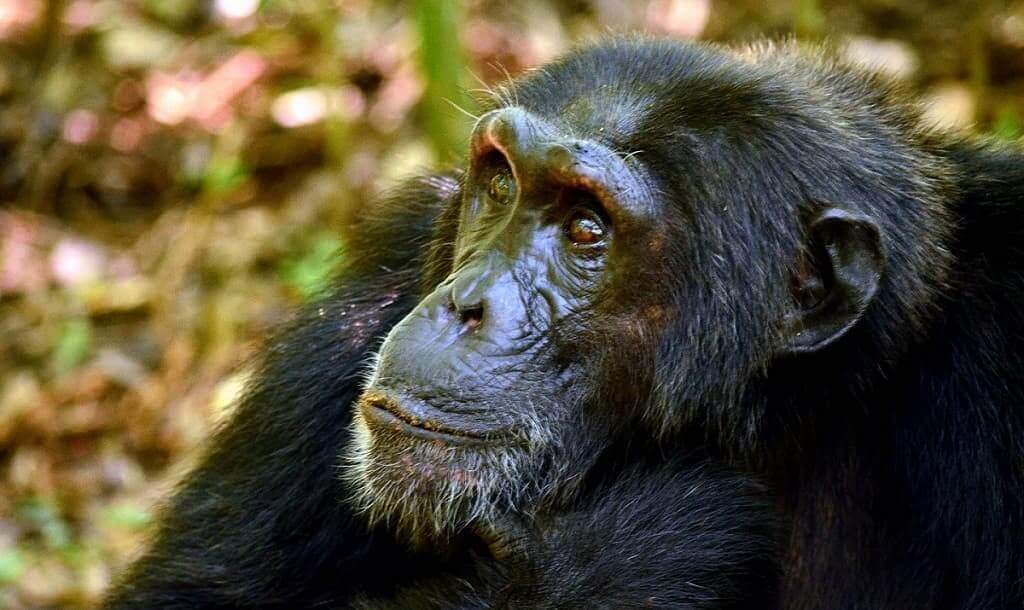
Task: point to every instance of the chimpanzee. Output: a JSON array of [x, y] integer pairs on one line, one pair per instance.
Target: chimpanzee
[[266, 521], [668, 273]]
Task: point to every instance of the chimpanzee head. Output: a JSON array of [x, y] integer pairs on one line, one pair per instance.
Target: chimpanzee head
[[644, 231]]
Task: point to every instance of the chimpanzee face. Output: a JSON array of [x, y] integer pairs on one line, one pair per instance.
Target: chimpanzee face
[[590, 291], [485, 379]]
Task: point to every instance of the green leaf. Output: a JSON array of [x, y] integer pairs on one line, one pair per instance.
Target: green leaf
[[127, 516], [1008, 124], [46, 517], [73, 346], [443, 67], [12, 565], [225, 174], [310, 273], [809, 20]]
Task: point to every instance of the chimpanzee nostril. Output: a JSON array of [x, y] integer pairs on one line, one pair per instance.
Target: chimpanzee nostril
[[471, 317], [466, 299]]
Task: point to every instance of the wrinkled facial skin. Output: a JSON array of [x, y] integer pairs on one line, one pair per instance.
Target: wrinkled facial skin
[[480, 389]]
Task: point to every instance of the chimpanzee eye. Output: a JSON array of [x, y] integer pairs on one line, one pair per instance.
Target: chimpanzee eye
[[502, 187], [585, 228]]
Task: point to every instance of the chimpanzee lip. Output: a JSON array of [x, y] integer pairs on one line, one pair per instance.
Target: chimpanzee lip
[[413, 417]]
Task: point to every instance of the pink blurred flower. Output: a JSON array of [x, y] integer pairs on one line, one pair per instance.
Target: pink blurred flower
[[74, 262], [18, 15], [81, 15], [174, 98], [313, 104], [220, 87], [171, 97], [80, 126], [236, 9], [20, 267], [394, 99], [126, 134], [685, 18]]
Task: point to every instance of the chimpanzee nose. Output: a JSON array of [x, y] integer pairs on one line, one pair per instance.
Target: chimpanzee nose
[[524, 139], [466, 299], [484, 298]]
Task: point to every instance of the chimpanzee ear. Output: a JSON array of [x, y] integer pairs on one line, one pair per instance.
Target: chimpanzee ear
[[837, 283]]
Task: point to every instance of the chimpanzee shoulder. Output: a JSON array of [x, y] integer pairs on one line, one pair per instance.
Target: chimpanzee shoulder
[[263, 521]]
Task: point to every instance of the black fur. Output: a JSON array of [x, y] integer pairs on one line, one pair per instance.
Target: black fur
[[895, 451], [681, 536]]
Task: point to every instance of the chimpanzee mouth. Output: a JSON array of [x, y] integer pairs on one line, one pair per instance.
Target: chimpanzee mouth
[[416, 418]]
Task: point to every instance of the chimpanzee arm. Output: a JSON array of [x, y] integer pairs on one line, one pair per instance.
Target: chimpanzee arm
[[684, 536], [262, 521]]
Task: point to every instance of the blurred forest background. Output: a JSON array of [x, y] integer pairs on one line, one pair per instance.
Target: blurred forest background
[[176, 175]]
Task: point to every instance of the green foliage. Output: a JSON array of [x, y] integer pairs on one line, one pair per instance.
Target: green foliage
[[1008, 124], [46, 518], [808, 19], [12, 565], [225, 174], [73, 345], [443, 67], [309, 273], [127, 516]]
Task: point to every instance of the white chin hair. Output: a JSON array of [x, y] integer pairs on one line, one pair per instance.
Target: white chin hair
[[427, 491]]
